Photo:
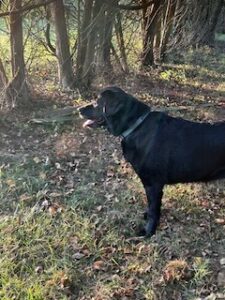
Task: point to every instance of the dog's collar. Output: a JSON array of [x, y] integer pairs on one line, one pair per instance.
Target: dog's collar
[[135, 125]]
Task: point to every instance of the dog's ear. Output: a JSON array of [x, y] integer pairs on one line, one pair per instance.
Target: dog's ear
[[108, 93], [113, 99], [112, 92]]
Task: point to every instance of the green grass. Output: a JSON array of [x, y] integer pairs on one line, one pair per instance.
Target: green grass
[[36, 254]]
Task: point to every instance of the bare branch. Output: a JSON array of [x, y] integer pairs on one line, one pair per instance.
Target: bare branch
[[48, 39], [26, 8]]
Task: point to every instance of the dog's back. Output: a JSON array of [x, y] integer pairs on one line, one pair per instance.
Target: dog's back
[[177, 150], [196, 151]]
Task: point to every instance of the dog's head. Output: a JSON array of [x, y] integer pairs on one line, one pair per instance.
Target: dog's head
[[114, 109]]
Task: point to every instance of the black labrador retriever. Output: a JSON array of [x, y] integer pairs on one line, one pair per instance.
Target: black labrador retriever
[[162, 149]]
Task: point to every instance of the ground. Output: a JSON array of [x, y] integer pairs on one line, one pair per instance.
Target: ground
[[70, 206]]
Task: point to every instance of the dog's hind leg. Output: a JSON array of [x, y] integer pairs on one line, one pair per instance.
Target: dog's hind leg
[[154, 195]]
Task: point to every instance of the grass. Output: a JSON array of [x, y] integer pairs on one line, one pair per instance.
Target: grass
[[57, 243], [37, 258], [70, 209]]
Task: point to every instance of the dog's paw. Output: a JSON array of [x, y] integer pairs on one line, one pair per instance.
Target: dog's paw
[[150, 229], [142, 232], [149, 234]]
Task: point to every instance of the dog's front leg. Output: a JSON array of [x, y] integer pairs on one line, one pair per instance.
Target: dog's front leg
[[154, 195]]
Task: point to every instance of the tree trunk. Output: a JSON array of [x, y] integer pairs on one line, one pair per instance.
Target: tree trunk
[[105, 29], [120, 39], [17, 90], [158, 24], [212, 17], [195, 22], [150, 28], [179, 23], [89, 63], [3, 77], [48, 31], [65, 70], [167, 27], [94, 41], [83, 35], [3, 85]]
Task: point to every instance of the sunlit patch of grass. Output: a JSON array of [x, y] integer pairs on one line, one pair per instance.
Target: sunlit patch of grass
[[183, 194], [148, 293], [201, 270], [199, 68], [220, 87], [177, 75]]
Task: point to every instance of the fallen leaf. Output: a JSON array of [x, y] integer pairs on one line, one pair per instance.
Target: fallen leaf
[[78, 255], [176, 270], [220, 221], [55, 209], [11, 183], [98, 265], [39, 269], [52, 210], [205, 203], [42, 175], [99, 208], [127, 251], [64, 281], [222, 261], [25, 197], [74, 243], [86, 252], [110, 171], [36, 159], [45, 204], [221, 278], [58, 166]]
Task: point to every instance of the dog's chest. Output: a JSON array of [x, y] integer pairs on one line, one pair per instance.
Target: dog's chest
[[138, 156]]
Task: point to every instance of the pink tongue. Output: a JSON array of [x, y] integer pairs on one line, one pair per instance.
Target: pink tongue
[[88, 123]]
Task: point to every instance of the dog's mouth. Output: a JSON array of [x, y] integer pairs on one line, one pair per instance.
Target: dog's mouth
[[92, 119], [93, 123]]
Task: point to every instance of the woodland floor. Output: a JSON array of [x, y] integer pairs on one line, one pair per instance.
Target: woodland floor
[[70, 205]]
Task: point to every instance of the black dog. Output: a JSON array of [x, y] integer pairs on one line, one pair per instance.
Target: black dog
[[161, 149]]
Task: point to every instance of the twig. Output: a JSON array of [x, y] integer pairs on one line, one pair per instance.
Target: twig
[[25, 8]]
